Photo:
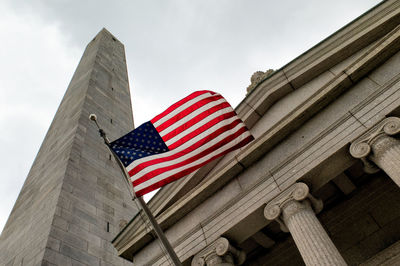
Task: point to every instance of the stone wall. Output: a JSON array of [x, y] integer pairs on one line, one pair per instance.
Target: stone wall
[[74, 197]]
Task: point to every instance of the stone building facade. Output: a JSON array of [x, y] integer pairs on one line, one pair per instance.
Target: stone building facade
[[320, 183]]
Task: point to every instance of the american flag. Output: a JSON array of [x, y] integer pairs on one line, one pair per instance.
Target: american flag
[[192, 132]]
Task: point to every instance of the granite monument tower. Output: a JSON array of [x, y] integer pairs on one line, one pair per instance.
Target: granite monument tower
[[74, 198]]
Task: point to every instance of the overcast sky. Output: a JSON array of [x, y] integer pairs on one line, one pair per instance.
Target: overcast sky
[[173, 47]]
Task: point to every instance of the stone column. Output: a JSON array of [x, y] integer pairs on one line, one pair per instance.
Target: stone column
[[219, 253], [295, 210], [379, 148]]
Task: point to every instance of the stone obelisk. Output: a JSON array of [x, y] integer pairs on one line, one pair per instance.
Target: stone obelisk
[[74, 198]]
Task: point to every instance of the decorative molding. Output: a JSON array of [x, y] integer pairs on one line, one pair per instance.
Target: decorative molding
[[257, 78], [297, 192], [335, 125], [361, 147], [220, 251]]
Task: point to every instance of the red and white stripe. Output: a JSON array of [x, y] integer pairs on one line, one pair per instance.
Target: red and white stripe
[[197, 130]]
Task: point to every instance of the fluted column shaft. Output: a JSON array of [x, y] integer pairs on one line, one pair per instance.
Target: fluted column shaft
[[310, 237], [378, 147], [295, 210], [386, 155]]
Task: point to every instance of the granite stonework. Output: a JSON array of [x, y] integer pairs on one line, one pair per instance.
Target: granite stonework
[[378, 147], [74, 197], [295, 209], [304, 117], [220, 252]]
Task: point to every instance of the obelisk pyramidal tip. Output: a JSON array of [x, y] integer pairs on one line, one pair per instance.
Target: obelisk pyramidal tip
[[74, 197]]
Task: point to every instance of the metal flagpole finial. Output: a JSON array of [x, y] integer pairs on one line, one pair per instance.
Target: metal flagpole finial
[[93, 117]]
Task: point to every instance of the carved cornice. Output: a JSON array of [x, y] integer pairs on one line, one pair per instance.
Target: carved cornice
[[297, 192], [220, 251], [258, 77], [361, 147]]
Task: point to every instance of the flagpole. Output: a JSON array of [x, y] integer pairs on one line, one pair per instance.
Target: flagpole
[[156, 226]]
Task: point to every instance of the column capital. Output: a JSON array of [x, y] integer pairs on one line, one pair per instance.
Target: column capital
[[361, 147], [295, 210], [220, 252], [298, 192]]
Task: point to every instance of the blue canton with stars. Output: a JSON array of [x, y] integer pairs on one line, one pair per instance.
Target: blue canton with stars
[[141, 142]]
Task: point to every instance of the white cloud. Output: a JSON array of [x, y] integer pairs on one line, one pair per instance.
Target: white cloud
[[34, 63]]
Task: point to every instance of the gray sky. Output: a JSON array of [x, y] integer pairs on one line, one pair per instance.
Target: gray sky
[[173, 47]]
